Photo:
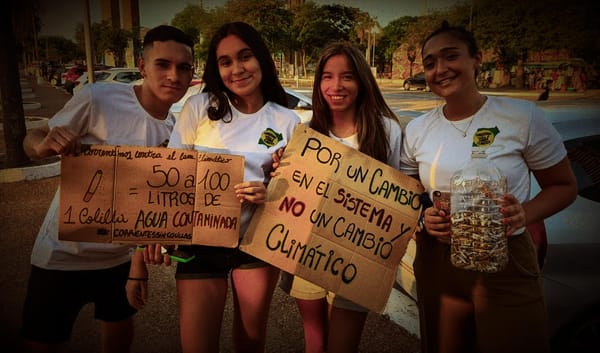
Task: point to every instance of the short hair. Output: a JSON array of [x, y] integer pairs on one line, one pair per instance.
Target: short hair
[[165, 33]]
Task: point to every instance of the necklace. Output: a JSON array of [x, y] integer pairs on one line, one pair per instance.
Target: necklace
[[463, 132]]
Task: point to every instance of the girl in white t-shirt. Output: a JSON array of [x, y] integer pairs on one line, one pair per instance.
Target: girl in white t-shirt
[[464, 310], [349, 107], [241, 110]]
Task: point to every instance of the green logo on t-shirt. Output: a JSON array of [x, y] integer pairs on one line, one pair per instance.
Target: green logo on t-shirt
[[270, 138], [484, 137]]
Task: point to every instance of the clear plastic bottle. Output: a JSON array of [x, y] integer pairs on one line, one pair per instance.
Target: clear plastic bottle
[[478, 235]]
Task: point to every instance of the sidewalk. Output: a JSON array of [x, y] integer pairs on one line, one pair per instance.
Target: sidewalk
[[51, 98], [48, 100]]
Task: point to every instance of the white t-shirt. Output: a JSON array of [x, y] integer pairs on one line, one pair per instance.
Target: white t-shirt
[[517, 135], [102, 113], [394, 135], [244, 135]]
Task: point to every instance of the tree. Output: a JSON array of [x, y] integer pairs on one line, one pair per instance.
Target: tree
[[105, 39], [507, 31], [11, 100], [392, 36], [59, 49], [514, 28], [191, 20], [311, 32], [26, 26], [364, 26], [270, 17], [342, 21], [415, 31]]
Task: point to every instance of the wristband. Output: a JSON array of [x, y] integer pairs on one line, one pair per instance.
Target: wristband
[[137, 278]]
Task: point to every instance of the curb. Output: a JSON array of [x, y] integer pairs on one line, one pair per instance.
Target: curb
[[31, 105], [44, 169], [13, 175]]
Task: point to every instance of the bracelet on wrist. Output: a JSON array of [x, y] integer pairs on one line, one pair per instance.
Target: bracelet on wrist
[[137, 278]]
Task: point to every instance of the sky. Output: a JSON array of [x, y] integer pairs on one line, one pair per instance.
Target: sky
[[60, 17]]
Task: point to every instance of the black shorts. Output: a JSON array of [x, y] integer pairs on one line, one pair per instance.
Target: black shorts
[[214, 262], [54, 299]]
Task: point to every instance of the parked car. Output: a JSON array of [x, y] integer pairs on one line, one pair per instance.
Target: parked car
[[177, 106], [72, 73], [570, 272], [298, 102], [572, 263], [416, 81], [118, 75], [196, 80]]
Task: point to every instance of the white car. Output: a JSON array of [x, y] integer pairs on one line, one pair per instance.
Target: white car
[[300, 104], [116, 75], [177, 106], [572, 268], [296, 101], [571, 272]]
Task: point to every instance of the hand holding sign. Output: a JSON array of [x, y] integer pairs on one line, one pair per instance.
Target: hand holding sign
[[336, 217], [146, 195]]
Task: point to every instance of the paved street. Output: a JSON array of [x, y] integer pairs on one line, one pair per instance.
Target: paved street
[[22, 208]]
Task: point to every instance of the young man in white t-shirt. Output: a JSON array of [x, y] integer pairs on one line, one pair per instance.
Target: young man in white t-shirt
[[67, 275]]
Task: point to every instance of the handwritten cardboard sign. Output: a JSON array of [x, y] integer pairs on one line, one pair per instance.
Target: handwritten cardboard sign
[[337, 218], [141, 195]]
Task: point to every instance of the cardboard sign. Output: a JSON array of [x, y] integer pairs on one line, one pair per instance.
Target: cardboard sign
[[337, 218], [143, 195]]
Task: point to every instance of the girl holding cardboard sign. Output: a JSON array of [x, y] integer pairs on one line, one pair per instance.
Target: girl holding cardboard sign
[[349, 107], [242, 110]]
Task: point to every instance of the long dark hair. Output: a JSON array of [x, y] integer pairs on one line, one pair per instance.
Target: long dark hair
[[270, 85], [371, 108]]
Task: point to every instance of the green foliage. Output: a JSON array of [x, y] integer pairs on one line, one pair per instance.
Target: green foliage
[[59, 49], [105, 38], [341, 22], [512, 28], [190, 21], [270, 17], [392, 36]]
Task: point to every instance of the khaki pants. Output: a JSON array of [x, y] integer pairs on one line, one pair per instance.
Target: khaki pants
[[506, 310]]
